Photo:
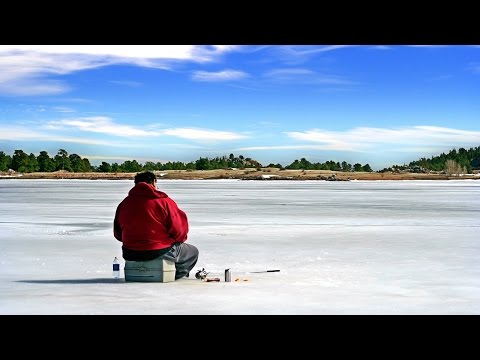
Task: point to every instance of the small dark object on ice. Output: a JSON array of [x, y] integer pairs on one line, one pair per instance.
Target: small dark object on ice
[[201, 274], [211, 279]]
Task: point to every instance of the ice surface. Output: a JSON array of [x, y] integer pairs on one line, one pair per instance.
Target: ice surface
[[359, 247]]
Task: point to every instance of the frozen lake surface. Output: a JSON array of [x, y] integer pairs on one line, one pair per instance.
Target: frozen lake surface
[[359, 247]]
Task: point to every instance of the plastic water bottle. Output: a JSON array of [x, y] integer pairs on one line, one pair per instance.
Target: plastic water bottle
[[116, 268]]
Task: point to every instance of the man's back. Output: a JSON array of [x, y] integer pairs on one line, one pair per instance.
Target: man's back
[[147, 219]]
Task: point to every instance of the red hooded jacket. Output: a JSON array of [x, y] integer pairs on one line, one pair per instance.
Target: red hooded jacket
[[147, 219]]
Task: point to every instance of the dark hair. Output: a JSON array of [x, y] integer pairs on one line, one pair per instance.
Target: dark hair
[[146, 176]]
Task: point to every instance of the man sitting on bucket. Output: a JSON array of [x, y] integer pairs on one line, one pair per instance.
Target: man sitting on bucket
[[150, 225]]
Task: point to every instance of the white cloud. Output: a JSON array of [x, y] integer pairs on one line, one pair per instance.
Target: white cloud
[[25, 73], [224, 75], [176, 52], [297, 54], [440, 78], [18, 133], [289, 72], [294, 147], [428, 46], [99, 124], [126, 83], [249, 88], [381, 47], [309, 49], [363, 138], [303, 76], [475, 68], [31, 86], [105, 125], [202, 134], [63, 109], [120, 159], [23, 68], [407, 139]]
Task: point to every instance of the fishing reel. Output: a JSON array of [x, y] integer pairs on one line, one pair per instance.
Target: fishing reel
[[201, 274]]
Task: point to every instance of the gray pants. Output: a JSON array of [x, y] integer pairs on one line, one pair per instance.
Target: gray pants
[[185, 257]]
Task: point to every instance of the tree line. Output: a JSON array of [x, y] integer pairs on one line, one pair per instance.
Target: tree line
[[304, 164], [455, 161], [27, 163], [22, 162]]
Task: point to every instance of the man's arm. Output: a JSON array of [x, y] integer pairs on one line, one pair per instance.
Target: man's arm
[[117, 230], [178, 221]]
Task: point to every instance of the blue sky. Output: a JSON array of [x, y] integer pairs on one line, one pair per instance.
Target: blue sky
[[381, 105]]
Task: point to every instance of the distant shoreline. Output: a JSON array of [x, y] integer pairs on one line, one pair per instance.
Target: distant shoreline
[[267, 174]]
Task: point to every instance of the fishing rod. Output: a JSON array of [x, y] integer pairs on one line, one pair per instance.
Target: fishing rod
[[264, 271]]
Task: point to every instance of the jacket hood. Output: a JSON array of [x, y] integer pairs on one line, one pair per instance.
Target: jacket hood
[[146, 190]]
